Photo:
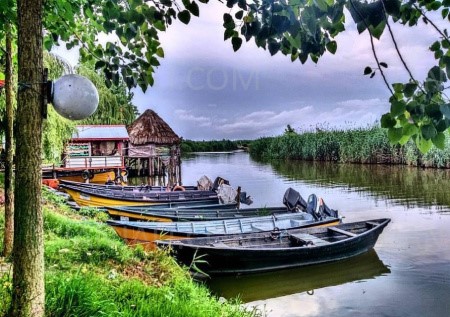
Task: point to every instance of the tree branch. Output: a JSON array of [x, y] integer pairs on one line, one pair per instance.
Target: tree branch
[[396, 45], [373, 47], [432, 23]]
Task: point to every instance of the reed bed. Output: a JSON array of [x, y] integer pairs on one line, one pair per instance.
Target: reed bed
[[360, 145], [188, 146]]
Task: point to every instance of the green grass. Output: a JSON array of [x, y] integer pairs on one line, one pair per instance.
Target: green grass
[[91, 272], [188, 146], [362, 145]]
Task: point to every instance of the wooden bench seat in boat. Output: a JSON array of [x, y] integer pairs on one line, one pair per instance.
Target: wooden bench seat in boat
[[344, 232], [308, 238], [373, 224]]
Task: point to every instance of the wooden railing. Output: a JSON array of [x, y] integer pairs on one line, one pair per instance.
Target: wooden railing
[[93, 162]]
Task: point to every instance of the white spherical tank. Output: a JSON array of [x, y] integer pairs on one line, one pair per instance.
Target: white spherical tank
[[74, 97]]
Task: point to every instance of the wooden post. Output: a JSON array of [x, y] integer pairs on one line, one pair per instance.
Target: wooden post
[[238, 197]]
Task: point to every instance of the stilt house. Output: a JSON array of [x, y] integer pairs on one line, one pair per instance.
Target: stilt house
[[96, 146], [154, 148]]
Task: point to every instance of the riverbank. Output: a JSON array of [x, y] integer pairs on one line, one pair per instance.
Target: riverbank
[[91, 272], [364, 145], [189, 146]]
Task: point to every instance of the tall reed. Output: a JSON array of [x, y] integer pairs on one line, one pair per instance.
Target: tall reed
[[360, 145]]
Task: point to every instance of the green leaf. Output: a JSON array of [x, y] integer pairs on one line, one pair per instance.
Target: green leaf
[[274, 47], [236, 42], [423, 145], [387, 121], [392, 7], [159, 25], [321, 4], [378, 31], [231, 3], [428, 131], [433, 111], [184, 16], [48, 43], [303, 57], [398, 87], [410, 129], [404, 139], [194, 9], [437, 74], [439, 140], [435, 5], [99, 64], [332, 47], [409, 89], [228, 34], [160, 52], [435, 46], [395, 134], [442, 125], [367, 70], [239, 14], [228, 22], [242, 4], [398, 107]]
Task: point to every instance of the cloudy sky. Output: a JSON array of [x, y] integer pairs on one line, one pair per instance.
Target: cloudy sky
[[204, 90]]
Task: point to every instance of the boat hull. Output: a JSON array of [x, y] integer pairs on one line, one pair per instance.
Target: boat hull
[[87, 200], [99, 178], [110, 198], [208, 212], [129, 188], [220, 259], [147, 236]]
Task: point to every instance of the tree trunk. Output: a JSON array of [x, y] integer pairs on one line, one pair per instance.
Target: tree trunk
[[9, 176], [28, 251]]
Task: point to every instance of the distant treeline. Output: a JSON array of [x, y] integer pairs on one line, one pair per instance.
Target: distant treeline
[[363, 145], [188, 146]]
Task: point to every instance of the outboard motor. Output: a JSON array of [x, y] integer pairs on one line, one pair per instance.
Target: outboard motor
[[312, 206], [293, 200], [219, 181], [243, 198], [324, 210], [204, 183]]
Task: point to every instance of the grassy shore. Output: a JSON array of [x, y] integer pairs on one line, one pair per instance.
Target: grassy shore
[[362, 145], [91, 272], [188, 146]]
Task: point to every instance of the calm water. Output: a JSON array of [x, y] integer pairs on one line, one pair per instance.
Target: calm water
[[408, 273]]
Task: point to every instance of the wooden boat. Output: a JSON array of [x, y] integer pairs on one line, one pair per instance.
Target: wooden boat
[[267, 251], [102, 198], [138, 188], [198, 212], [99, 177], [145, 233], [194, 213]]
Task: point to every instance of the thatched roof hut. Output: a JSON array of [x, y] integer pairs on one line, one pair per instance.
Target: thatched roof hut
[[149, 128]]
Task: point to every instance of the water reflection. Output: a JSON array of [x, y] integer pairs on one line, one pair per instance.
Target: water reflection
[[413, 278], [307, 279], [404, 185]]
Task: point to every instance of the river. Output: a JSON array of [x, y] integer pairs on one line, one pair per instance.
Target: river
[[408, 273]]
